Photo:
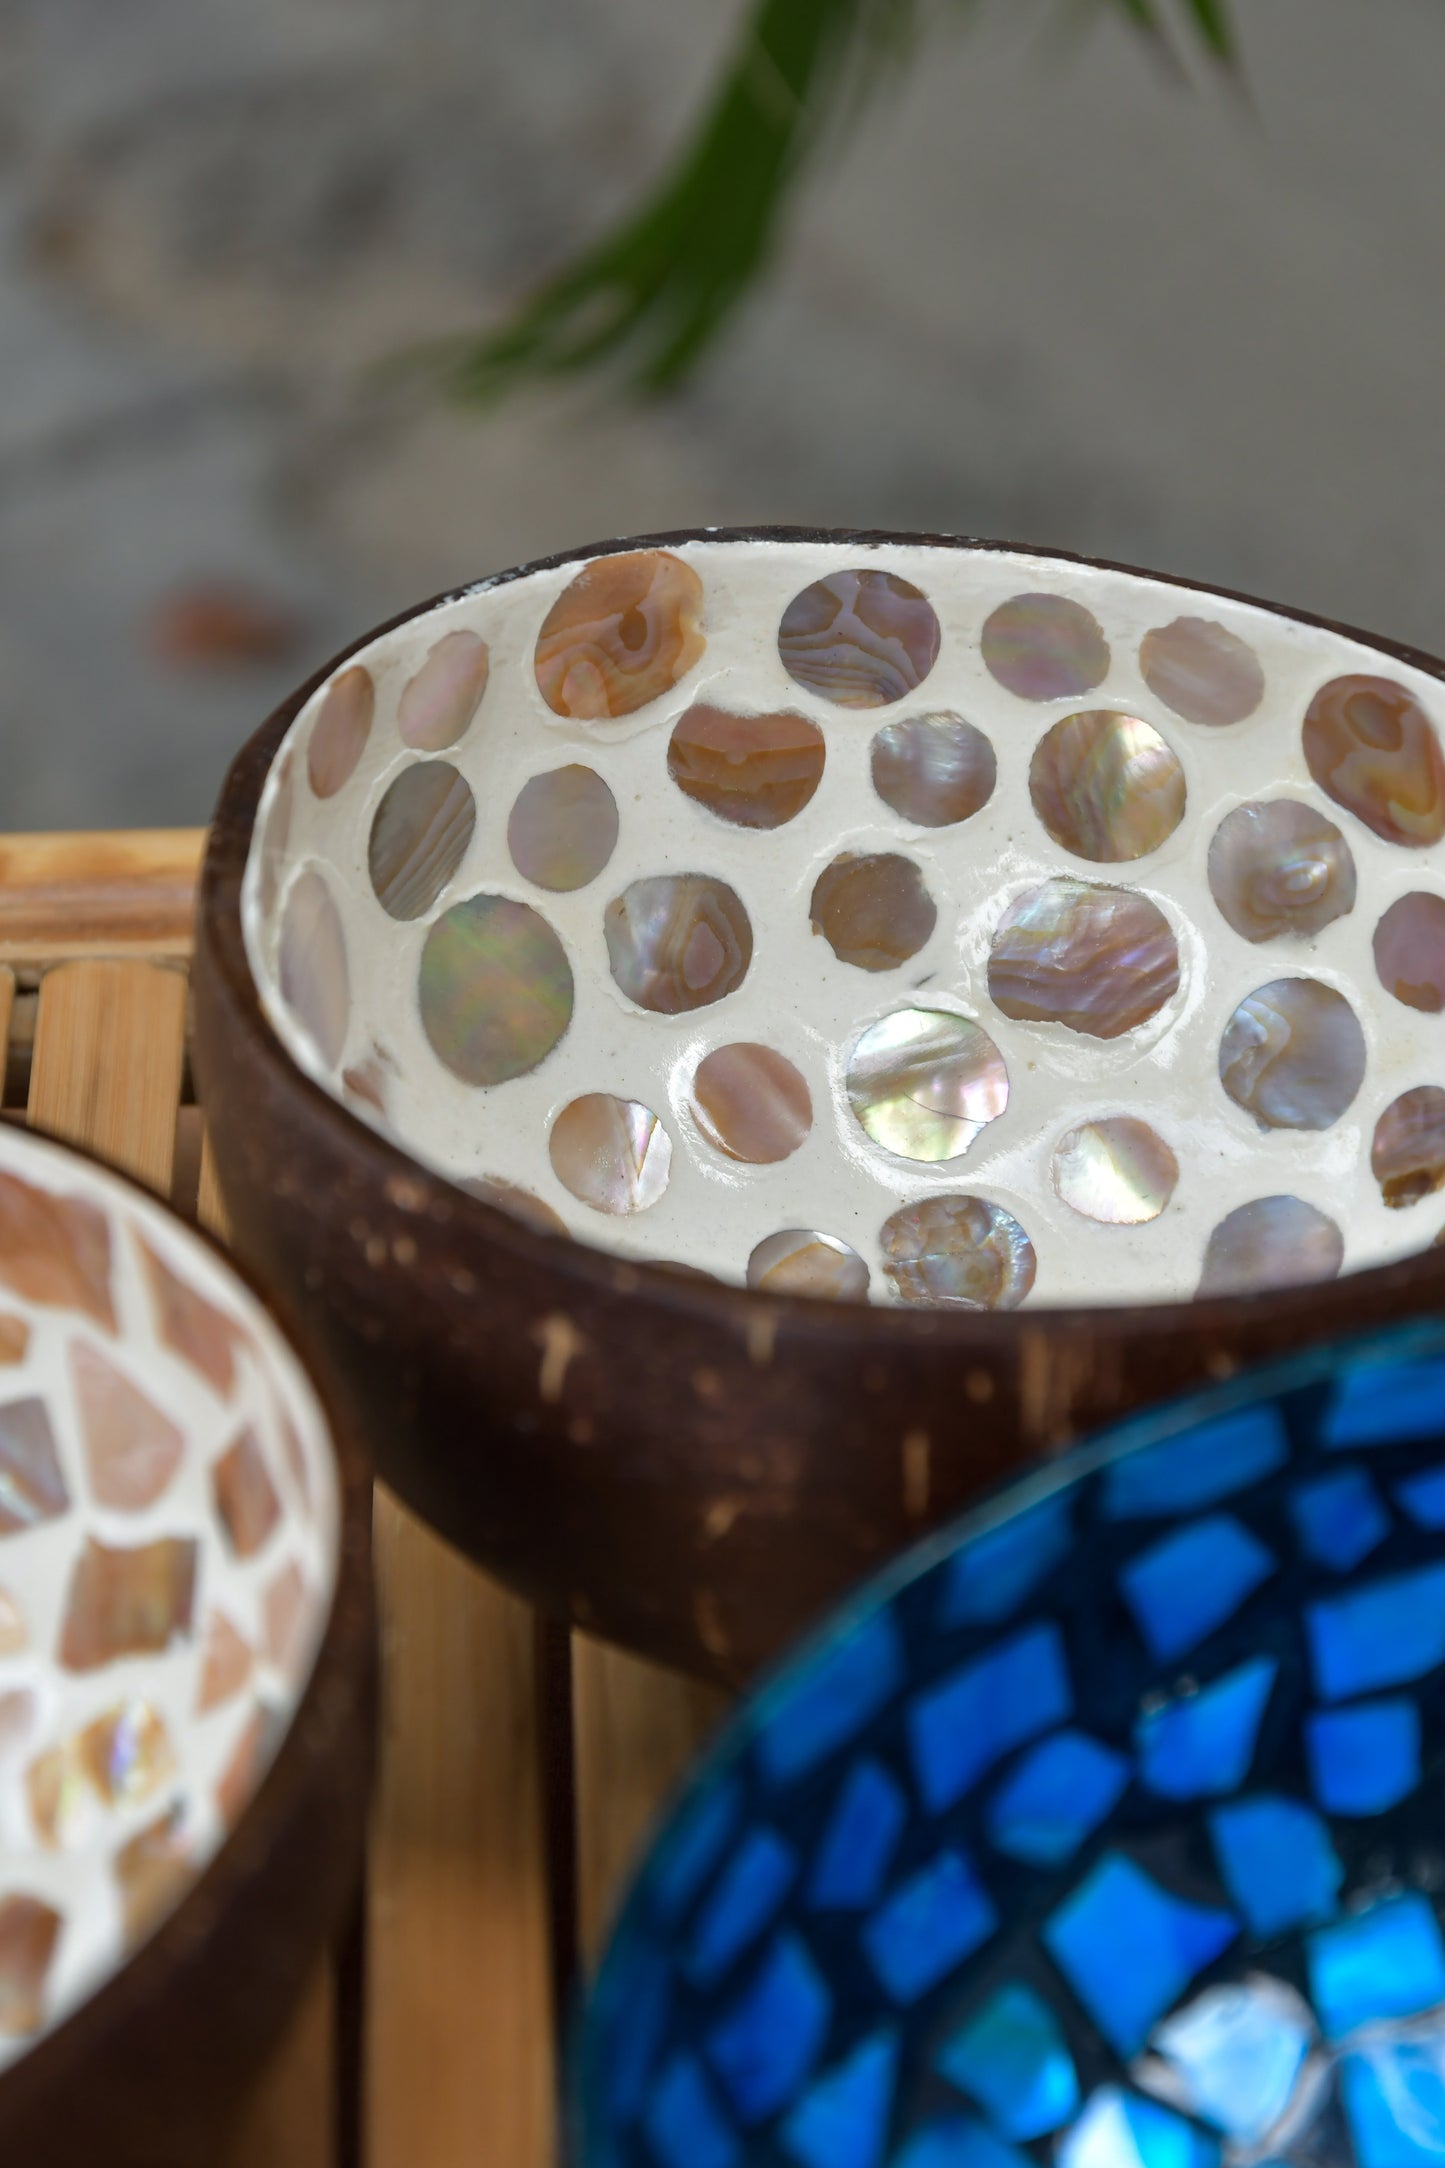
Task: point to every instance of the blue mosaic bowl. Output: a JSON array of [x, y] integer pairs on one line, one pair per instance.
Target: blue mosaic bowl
[[1105, 1829]]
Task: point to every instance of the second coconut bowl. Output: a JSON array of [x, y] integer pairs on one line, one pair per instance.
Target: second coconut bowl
[[728, 1043]]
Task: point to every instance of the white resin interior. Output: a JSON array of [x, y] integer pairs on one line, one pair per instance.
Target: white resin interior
[[798, 998]]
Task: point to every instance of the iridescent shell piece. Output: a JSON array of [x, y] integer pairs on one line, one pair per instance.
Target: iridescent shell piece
[[924, 1082], [751, 1103], [872, 909], [624, 632], [1045, 647], [419, 837], [802, 1262], [132, 1449], [439, 702], [1293, 1055], [563, 828], [1410, 951], [1407, 1156], [1117, 1170], [127, 1601], [1100, 961], [340, 731], [678, 941], [1106, 786], [509, 1197], [55, 1250], [613, 1154], [1279, 867], [495, 989], [756, 771], [1202, 670], [935, 770], [315, 981], [861, 639], [1373, 749], [1272, 1242], [32, 1482], [962, 1252]]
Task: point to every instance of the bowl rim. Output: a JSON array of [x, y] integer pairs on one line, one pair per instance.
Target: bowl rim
[[587, 2140], [339, 1691], [385, 1164]]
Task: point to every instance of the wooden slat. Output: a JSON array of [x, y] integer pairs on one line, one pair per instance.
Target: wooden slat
[[7, 1004], [637, 1728], [106, 1071], [459, 2058], [106, 894]]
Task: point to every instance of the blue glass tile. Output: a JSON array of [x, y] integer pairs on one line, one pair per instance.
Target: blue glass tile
[[748, 1893], [1423, 1497], [928, 1927], [1387, 1962], [690, 1848], [832, 1700], [637, 2006], [1339, 1518], [1057, 1796], [962, 1726], [1202, 1744], [1236, 2053], [1123, 2130], [858, 1844], [1184, 1586], [1365, 1758], [1378, 1403], [765, 2048], [843, 2121], [1129, 1948], [957, 2141], [1378, 1634], [1394, 2100], [991, 1578], [685, 2126], [1277, 1861], [1179, 1475], [1012, 2060]]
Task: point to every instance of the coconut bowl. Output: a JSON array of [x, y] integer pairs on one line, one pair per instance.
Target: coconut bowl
[[185, 1673], [1103, 1831], [728, 1043]]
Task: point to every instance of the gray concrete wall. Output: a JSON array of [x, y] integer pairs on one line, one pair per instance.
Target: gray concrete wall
[[1040, 292]]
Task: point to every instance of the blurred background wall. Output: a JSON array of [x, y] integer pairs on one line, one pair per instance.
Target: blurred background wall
[[1041, 293]]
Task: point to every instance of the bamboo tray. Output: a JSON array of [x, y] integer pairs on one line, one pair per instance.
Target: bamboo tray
[[519, 1764]]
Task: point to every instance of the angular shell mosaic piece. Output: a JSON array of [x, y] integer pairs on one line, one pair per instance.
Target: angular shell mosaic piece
[[1203, 671], [1101, 961], [923, 1083], [802, 1262], [958, 1251], [29, 1931], [1373, 749], [563, 828], [624, 632], [613, 1154], [873, 910], [1293, 1055], [1045, 647], [153, 1869], [246, 1502], [678, 941], [861, 639], [1116, 1170], [1279, 867], [127, 1600], [192, 1328], [419, 837], [340, 732], [751, 1103], [933, 770], [1407, 1156], [1272, 1242], [1410, 951], [756, 771], [439, 702], [1106, 786], [32, 1482], [315, 980], [55, 1250], [496, 989], [132, 1448]]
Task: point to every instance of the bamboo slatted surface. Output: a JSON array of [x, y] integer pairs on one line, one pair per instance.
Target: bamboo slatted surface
[[518, 1771]]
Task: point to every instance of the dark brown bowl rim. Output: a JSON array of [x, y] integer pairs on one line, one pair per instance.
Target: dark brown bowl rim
[[228, 848], [236, 1873]]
